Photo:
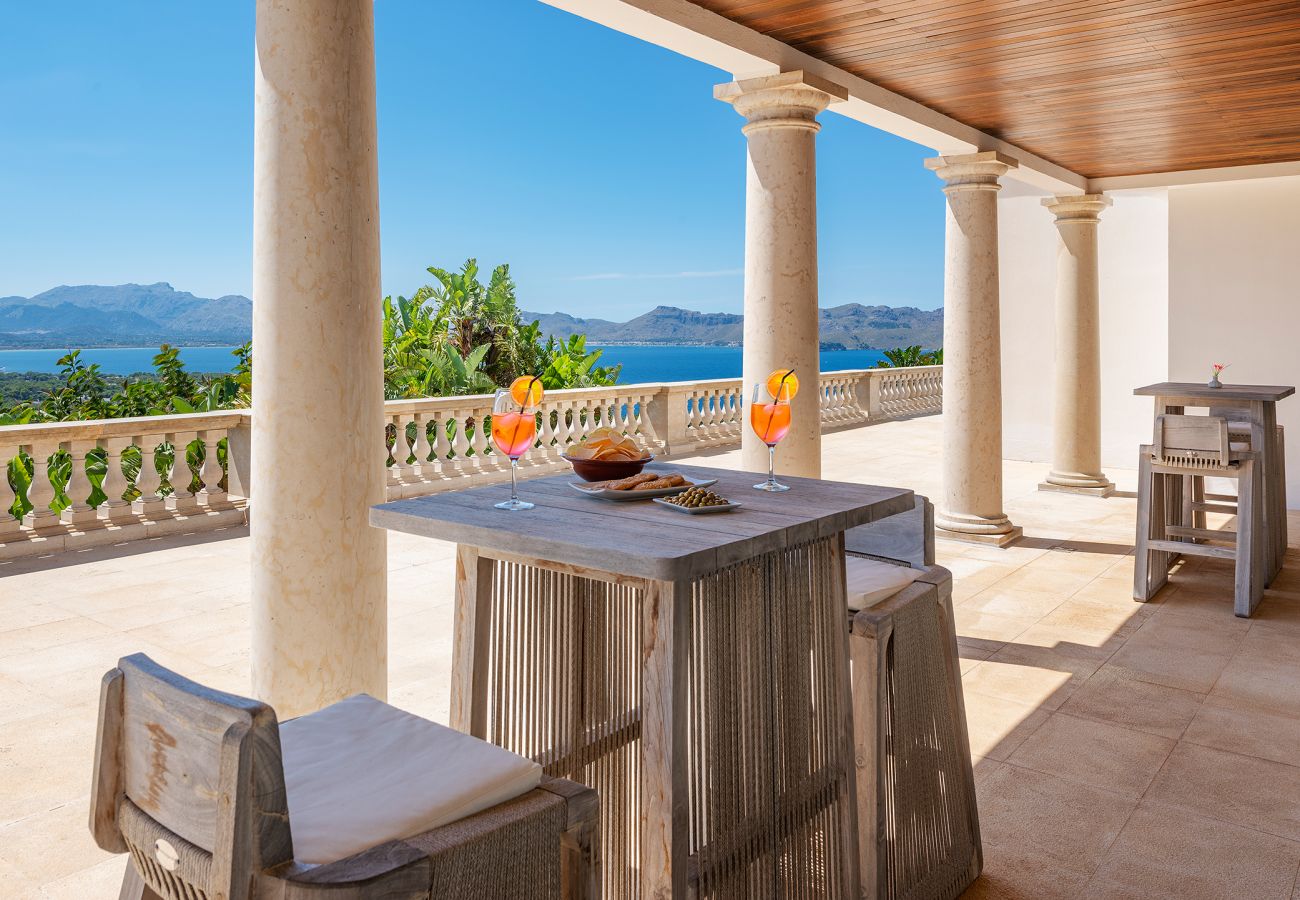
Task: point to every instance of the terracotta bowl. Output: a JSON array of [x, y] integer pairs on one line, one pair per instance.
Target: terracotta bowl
[[606, 469]]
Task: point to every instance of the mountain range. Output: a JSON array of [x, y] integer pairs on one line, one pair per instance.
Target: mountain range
[[150, 314], [123, 315], [848, 327]]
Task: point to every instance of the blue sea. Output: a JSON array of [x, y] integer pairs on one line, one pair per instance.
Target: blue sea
[[640, 364]]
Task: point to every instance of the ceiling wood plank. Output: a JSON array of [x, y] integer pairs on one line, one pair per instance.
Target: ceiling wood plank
[[1101, 87]]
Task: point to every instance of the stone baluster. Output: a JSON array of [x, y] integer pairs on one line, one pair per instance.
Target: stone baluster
[[481, 440], [646, 423], [43, 518], [79, 513], [420, 448], [182, 499], [394, 443], [116, 509], [10, 527], [441, 444], [211, 473], [547, 432], [460, 444], [153, 504]]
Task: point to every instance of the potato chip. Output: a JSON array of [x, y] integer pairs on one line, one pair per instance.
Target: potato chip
[[610, 444]]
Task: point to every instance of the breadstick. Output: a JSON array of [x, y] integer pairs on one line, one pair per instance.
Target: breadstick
[[628, 484], [666, 481]]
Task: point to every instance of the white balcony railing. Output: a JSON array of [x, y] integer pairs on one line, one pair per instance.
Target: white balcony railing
[[82, 484]]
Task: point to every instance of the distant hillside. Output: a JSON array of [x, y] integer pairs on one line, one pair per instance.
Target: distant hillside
[[852, 327], [91, 315], [149, 314]]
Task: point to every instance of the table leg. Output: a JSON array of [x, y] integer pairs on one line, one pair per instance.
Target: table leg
[[665, 642], [1274, 478], [471, 630]]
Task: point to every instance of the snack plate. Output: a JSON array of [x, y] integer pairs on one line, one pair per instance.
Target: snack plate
[[701, 510], [586, 490]]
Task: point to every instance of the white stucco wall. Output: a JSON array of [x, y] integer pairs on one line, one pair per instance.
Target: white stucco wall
[[1234, 288], [1134, 266], [1027, 263]]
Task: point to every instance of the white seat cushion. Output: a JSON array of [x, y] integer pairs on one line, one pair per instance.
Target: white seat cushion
[[869, 581], [361, 772]]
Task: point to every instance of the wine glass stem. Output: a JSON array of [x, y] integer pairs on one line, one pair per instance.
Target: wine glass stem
[[514, 481], [771, 463]]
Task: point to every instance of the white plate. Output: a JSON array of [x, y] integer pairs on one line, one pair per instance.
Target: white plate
[[701, 510], [582, 487]]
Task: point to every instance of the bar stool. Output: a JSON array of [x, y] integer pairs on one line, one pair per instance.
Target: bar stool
[[1197, 502], [918, 823], [1187, 450]]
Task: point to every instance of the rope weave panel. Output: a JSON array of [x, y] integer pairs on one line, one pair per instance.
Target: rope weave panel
[[768, 759], [926, 790], [519, 860], [768, 798], [564, 689]]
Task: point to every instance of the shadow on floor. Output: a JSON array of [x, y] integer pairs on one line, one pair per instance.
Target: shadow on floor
[[65, 558]]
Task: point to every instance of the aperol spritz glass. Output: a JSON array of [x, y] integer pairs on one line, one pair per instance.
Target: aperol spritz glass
[[514, 429], [769, 416]]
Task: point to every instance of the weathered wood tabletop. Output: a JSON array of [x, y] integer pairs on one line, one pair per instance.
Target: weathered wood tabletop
[[642, 538], [1264, 393]]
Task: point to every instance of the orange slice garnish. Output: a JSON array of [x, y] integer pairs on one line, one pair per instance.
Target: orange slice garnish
[[782, 385], [526, 390]]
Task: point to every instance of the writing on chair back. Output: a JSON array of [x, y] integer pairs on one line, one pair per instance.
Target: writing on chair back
[[189, 781], [1192, 442]]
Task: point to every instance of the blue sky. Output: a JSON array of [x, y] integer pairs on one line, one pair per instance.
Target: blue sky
[[598, 166]]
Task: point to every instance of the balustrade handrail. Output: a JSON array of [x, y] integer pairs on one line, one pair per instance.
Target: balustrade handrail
[[109, 480], [90, 429]]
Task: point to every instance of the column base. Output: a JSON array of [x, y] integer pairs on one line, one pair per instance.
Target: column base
[[997, 531], [1002, 539], [1089, 485]]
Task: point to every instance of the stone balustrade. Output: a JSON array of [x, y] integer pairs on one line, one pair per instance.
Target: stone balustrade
[[82, 484]]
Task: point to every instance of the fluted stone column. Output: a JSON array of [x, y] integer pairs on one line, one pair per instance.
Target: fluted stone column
[[781, 252], [319, 569], [1076, 416], [972, 355]]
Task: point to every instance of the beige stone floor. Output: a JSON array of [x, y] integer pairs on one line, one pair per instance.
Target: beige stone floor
[[1122, 750]]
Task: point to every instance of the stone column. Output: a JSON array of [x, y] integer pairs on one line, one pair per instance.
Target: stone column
[[972, 356], [781, 252], [1076, 447], [319, 569]]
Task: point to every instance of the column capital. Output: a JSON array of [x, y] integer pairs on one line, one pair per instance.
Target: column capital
[[785, 100], [1077, 207], [972, 171]]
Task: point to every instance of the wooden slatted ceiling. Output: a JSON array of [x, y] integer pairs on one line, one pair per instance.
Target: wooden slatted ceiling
[[1101, 87]]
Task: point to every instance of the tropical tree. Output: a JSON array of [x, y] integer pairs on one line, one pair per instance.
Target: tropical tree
[[903, 357], [461, 336]]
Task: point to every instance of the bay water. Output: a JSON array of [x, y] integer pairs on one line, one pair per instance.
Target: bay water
[[640, 363]]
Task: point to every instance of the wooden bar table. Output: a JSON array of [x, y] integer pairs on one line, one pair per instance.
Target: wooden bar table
[[692, 669], [1256, 406]]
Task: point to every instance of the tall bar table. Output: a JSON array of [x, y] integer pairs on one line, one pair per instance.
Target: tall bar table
[[1255, 405], [693, 669]]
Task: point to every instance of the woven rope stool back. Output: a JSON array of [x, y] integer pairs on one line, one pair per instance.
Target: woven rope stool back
[[917, 819]]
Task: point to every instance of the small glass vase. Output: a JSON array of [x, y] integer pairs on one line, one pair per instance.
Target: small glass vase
[[1214, 381]]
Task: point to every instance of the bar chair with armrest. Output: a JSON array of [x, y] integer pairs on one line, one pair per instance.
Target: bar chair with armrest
[[214, 799], [1188, 449]]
